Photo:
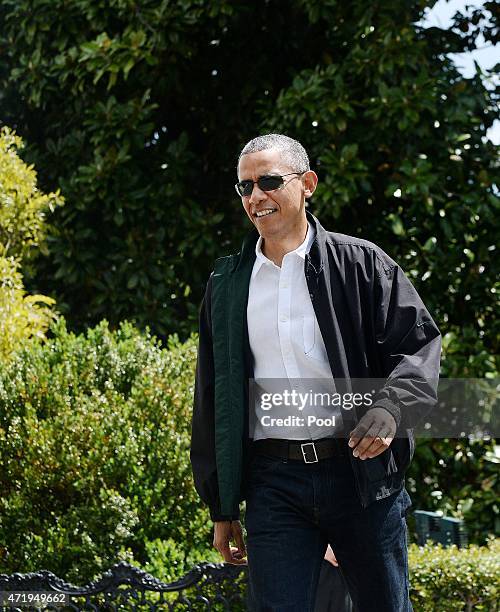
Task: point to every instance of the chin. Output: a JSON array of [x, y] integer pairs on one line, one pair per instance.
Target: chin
[[268, 232]]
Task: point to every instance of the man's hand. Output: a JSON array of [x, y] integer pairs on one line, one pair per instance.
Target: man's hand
[[373, 434], [330, 556], [224, 532]]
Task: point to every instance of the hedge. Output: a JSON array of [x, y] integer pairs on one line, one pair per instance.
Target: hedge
[[451, 579], [94, 449]]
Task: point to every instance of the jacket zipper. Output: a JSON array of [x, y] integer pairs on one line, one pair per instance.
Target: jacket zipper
[[354, 470]]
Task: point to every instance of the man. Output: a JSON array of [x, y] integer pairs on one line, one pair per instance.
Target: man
[[300, 303]]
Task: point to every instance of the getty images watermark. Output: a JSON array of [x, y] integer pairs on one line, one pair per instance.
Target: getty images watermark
[[445, 408], [300, 400], [307, 404]]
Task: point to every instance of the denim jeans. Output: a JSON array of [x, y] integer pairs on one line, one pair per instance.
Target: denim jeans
[[293, 510]]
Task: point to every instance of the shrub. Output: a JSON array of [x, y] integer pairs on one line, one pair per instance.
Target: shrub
[[94, 448], [168, 561], [449, 579]]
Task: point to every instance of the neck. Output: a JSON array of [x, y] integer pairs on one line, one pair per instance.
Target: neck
[[275, 248]]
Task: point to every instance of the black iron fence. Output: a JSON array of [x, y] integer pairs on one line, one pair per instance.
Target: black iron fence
[[208, 586]]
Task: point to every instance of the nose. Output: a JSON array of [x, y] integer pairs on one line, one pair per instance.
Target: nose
[[257, 195]]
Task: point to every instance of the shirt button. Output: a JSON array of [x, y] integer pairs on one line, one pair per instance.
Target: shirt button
[[284, 285], [283, 319]]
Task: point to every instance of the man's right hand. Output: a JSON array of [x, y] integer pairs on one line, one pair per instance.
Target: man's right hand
[[226, 531]]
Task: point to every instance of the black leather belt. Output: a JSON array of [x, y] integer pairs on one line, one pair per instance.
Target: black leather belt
[[308, 451]]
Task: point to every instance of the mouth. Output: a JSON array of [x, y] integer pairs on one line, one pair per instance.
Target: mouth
[[265, 212]]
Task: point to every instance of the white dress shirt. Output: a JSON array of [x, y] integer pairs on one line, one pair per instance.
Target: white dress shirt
[[288, 351]]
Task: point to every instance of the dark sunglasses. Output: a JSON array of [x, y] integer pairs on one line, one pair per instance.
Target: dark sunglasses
[[269, 182]]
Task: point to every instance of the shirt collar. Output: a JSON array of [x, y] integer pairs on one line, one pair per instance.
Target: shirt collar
[[300, 251]]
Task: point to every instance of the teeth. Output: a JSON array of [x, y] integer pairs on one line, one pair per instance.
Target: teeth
[[263, 213]]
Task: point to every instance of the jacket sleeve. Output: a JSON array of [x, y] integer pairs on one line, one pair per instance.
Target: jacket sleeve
[[409, 347], [202, 454]]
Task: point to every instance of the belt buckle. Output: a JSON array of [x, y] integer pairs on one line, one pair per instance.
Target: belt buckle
[[315, 460]]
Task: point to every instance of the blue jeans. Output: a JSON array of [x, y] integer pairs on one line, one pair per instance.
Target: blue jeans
[[293, 510]]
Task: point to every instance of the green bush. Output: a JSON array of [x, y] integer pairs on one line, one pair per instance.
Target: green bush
[[169, 560], [94, 449], [449, 579]]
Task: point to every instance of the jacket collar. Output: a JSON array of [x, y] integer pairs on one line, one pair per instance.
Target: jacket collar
[[315, 258], [301, 251]]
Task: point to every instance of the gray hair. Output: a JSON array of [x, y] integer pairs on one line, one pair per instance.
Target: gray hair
[[293, 152]]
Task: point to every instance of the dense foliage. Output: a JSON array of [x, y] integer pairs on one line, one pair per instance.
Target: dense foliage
[[138, 110], [22, 316], [94, 438], [452, 580], [460, 479], [23, 207], [23, 228]]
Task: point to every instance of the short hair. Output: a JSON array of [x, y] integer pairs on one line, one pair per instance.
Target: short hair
[[293, 152]]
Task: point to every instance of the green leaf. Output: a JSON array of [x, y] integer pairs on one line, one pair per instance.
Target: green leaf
[[132, 281]]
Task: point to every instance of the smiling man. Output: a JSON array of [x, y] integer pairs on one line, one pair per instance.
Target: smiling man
[[300, 304]]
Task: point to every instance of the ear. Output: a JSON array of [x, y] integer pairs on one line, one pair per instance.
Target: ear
[[310, 182]]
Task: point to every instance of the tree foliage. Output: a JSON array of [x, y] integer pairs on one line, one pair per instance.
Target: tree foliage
[[23, 207], [138, 110], [22, 316], [23, 228]]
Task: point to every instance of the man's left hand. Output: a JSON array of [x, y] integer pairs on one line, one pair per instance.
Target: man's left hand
[[373, 434]]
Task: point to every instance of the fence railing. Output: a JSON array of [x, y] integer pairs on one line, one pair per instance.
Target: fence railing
[[208, 586]]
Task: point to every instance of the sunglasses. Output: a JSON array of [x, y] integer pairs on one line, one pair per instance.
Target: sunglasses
[[269, 182]]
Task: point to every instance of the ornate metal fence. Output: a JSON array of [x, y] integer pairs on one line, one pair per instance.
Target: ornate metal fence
[[207, 586]]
